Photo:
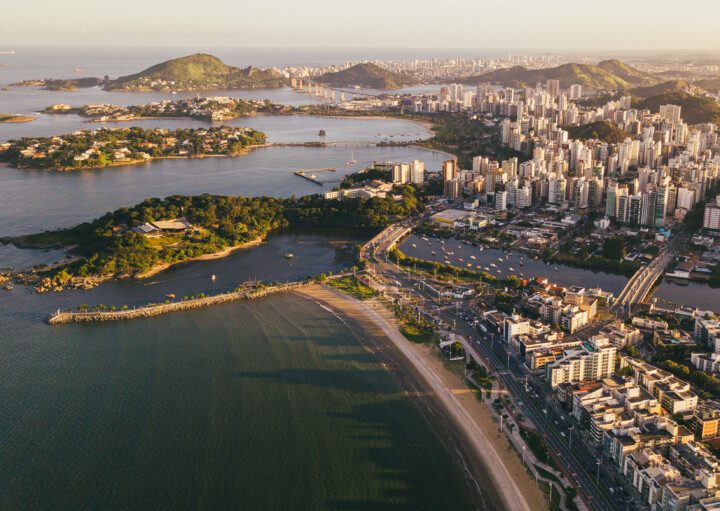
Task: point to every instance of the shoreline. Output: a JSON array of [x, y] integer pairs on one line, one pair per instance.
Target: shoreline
[[467, 426], [205, 257]]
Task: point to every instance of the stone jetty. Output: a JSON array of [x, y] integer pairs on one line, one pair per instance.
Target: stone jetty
[[164, 308]]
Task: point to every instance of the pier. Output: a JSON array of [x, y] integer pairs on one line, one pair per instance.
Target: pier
[[157, 309], [310, 175]]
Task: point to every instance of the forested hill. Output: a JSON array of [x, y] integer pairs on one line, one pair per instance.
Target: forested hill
[[197, 72]]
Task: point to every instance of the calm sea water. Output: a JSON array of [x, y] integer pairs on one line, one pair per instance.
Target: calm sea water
[[668, 293]]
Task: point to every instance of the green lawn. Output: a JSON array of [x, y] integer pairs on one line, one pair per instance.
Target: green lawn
[[352, 286]]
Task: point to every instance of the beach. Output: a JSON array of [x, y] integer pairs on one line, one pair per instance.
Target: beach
[[463, 422]]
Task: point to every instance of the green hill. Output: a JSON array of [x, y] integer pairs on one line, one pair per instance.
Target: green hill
[[600, 130], [366, 75], [626, 72], [197, 72], [694, 109], [668, 87], [592, 77]]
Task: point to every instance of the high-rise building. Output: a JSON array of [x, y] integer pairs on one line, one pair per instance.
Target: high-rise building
[[449, 169], [417, 172], [575, 91], [556, 190], [671, 113], [500, 200], [453, 188], [711, 218], [401, 173], [593, 360], [553, 87]]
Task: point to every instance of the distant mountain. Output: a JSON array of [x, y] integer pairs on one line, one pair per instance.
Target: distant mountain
[[694, 109], [366, 75], [197, 72], [600, 130], [626, 72], [589, 76]]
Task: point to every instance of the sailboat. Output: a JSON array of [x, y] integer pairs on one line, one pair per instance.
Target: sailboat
[[351, 161]]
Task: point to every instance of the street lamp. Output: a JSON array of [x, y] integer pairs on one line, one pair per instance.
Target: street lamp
[[571, 430], [597, 474]]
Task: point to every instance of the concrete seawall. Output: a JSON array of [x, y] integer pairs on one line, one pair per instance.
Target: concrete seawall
[[164, 308]]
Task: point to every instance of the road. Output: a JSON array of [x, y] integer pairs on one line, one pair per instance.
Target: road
[[578, 460]]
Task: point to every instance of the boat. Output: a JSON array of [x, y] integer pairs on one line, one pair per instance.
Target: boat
[[351, 160], [460, 259], [170, 296], [512, 269], [469, 265], [433, 252], [486, 268], [556, 269], [321, 133], [497, 271], [289, 255], [414, 246], [493, 265], [78, 70], [9, 52], [213, 277], [473, 257], [500, 259]]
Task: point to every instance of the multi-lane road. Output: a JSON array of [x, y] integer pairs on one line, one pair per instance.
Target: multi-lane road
[[596, 482]]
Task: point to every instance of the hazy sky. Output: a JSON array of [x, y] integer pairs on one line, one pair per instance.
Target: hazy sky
[[528, 24]]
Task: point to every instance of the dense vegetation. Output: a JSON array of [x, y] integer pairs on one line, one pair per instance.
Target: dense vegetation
[[466, 137], [197, 72], [367, 75], [594, 77], [108, 246], [695, 109], [601, 130]]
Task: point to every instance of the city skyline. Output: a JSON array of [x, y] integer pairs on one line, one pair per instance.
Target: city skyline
[[611, 25]]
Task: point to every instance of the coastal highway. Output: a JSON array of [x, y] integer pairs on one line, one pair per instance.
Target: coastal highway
[[578, 460]]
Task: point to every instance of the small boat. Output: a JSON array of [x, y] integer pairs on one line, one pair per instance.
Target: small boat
[[522, 264], [460, 259], [493, 265], [414, 246], [170, 296], [321, 133], [78, 70], [497, 271], [500, 259], [512, 269], [469, 265], [556, 269], [213, 277], [486, 268], [351, 160], [473, 257], [433, 252], [442, 242], [479, 267], [289, 255]]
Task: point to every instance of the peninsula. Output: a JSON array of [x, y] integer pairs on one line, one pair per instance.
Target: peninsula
[[125, 146], [146, 238], [367, 75], [16, 118]]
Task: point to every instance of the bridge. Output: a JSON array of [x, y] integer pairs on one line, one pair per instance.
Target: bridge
[[326, 92], [641, 283]]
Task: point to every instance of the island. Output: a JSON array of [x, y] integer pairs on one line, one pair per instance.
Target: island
[[125, 146], [141, 240], [68, 84], [211, 109], [196, 73], [16, 118]]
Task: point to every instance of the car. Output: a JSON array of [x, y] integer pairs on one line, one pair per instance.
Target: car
[[557, 423], [562, 433], [612, 490]]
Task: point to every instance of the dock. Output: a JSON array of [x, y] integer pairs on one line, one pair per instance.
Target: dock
[[310, 175]]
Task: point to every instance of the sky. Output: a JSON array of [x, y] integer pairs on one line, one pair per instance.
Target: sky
[[690, 25]]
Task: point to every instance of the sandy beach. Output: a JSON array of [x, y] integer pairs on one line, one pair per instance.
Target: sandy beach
[[462, 422]]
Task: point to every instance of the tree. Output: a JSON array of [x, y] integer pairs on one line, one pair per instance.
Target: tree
[[614, 248]]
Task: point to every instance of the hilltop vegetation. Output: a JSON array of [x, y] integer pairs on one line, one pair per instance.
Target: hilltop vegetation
[[626, 72], [601, 130], [366, 75], [602, 76], [694, 109], [668, 87], [197, 72]]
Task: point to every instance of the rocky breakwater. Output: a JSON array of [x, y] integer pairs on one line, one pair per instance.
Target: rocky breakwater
[[164, 308]]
